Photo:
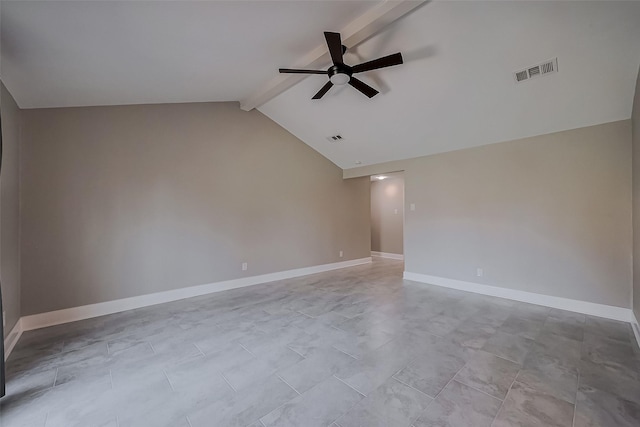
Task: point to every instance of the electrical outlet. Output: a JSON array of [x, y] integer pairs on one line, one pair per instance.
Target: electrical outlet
[[244, 266], [341, 254], [412, 207], [479, 272]]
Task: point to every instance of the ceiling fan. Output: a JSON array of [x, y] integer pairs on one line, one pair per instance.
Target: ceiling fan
[[340, 73]]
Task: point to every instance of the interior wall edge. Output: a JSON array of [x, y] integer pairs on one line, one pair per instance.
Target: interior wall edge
[[388, 255], [57, 317], [635, 325], [10, 206], [12, 338], [402, 164], [578, 306]]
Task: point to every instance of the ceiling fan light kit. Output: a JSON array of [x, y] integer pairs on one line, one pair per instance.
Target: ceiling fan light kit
[[341, 74]]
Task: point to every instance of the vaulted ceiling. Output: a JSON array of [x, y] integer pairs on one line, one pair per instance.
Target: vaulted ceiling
[[455, 90]]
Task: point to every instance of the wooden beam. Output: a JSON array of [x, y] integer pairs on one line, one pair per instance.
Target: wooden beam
[[357, 31]]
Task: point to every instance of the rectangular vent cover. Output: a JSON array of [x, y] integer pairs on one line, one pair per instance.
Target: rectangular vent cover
[[546, 67], [335, 138]]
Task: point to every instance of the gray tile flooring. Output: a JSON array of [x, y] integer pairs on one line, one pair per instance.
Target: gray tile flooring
[[352, 347]]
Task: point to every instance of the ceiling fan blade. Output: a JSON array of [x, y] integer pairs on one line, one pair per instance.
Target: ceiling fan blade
[[322, 91], [335, 46], [293, 71], [385, 61], [363, 87]]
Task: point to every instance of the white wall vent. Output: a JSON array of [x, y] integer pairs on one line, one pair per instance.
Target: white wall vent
[[335, 138], [546, 67]]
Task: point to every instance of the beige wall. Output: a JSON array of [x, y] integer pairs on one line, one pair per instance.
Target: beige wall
[[124, 201], [387, 214], [9, 209], [635, 123], [549, 214]]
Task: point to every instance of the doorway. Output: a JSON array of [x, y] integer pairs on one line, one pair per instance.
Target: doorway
[[387, 215]]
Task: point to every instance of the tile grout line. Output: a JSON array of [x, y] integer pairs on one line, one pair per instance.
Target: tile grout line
[[304, 314], [168, 380], [298, 353], [284, 381], [575, 405], [350, 386], [504, 358], [248, 351], [452, 378], [281, 406], [412, 387], [199, 349], [335, 421], [480, 391], [505, 398], [342, 351], [228, 383]]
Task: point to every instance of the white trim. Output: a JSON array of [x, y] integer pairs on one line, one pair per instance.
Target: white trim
[[73, 314], [636, 328], [388, 255], [12, 339], [585, 307]]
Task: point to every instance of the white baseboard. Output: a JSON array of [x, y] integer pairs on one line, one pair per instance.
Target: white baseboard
[[73, 314], [636, 328], [12, 339], [584, 307], [388, 255]]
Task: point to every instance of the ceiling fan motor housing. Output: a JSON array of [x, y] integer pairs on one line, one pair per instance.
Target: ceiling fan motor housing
[[340, 74]]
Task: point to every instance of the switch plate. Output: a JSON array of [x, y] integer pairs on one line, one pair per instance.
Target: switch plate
[[341, 254], [244, 266], [479, 272], [412, 206], [395, 211]]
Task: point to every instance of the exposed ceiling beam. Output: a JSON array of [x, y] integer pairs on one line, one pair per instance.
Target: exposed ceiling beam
[[357, 31]]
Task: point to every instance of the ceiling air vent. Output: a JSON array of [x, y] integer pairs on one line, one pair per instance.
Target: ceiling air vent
[[335, 138], [546, 67], [521, 75]]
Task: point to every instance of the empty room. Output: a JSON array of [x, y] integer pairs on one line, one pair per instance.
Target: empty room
[[319, 213]]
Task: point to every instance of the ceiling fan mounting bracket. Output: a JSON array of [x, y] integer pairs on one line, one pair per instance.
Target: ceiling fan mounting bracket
[[339, 69]]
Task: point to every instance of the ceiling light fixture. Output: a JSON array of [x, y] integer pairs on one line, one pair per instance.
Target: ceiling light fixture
[[381, 177], [340, 78]]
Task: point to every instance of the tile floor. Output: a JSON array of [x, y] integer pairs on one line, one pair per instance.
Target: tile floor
[[352, 347]]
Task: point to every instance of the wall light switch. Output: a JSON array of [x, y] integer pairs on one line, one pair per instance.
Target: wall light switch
[[395, 211], [479, 272], [341, 254], [412, 206], [244, 266]]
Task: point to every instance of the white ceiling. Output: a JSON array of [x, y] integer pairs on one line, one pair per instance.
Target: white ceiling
[[79, 53], [455, 90]]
